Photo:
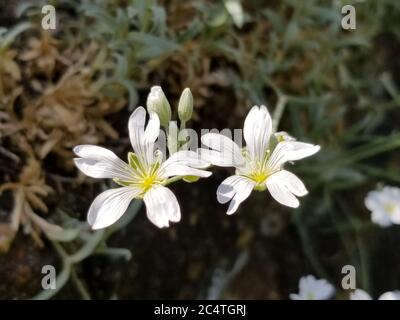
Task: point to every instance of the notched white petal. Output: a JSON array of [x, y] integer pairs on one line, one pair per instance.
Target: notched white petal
[[257, 131], [162, 206], [143, 141], [98, 153], [137, 120], [187, 157], [235, 189], [136, 125], [292, 182], [226, 190], [302, 150], [177, 169], [152, 129], [98, 162], [101, 170], [290, 151], [109, 206], [216, 158], [228, 149], [280, 191]]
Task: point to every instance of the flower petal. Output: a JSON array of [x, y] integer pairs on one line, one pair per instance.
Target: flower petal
[[162, 206], [109, 206], [373, 200], [136, 124], [143, 141], [380, 217], [257, 131], [150, 136], [95, 169], [176, 169], [282, 186], [97, 153], [98, 162], [229, 151], [152, 129], [359, 294], [216, 158], [292, 182], [290, 151], [235, 189], [186, 157], [390, 295], [311, 288]]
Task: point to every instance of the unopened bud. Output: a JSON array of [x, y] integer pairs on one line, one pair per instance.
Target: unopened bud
[[157, 102], [185, 107]]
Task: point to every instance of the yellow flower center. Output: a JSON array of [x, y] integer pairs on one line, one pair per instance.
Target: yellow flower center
[[310, 296], [259, 177], [148, 182], [143, 178], [390, 208], [257, 170]]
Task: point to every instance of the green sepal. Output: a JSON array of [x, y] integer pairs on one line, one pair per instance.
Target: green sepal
[[190, 179], [121, 183], [260, 187], [273, 142], [133, 160]]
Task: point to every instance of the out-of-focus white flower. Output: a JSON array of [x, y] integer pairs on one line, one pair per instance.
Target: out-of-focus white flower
[[145, 176], [390, 295], [384, 205], [259, 165], [311, 288], [359, 294]]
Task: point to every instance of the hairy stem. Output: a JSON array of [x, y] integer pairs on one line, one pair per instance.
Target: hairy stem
[[278, 112]]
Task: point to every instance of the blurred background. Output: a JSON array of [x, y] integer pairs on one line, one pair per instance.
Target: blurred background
[[79, 83]]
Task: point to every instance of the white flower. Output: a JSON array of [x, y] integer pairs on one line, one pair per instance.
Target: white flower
[[390, 295], [359, 294], [260, 164], [144, 177], [312, 289], [384, 205]]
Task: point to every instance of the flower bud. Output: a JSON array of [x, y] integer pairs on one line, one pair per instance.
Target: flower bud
[[283, 136], [185, 107], [157, 102], [278, 137]]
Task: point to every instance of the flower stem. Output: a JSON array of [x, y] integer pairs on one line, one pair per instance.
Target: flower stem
[[174, 179], [183, 125], [278, 112], [79, 285]]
